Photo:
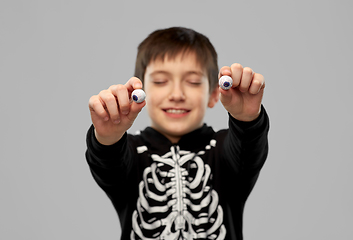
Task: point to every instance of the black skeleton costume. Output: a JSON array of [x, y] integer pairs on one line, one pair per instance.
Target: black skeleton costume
[[195, 189]]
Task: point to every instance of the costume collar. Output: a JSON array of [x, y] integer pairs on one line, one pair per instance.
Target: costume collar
[[190, 141]]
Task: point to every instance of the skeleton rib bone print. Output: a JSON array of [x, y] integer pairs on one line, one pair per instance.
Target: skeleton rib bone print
[[176, 199]]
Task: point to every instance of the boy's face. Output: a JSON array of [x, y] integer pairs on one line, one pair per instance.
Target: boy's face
[[177, 95]]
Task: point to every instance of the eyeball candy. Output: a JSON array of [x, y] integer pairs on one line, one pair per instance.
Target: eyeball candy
[[138, 95], [225, 82]]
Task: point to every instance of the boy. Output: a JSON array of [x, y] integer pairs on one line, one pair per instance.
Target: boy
[[178, 179]]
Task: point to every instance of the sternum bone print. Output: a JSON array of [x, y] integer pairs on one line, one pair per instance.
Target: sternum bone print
[[180, 207], [176, 200]]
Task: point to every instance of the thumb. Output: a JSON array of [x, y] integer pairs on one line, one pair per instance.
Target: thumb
[[226, 96], [135, 110]]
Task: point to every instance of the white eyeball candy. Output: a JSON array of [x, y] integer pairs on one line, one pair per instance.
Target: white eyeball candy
[[225, 82], [138, 95]]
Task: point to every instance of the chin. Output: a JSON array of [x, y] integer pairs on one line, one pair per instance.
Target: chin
[[180, 131]]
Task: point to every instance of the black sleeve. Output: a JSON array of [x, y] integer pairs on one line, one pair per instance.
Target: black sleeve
[[108, 164], [246, 149]]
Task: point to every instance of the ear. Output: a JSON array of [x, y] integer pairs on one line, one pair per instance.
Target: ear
[[214, 97]]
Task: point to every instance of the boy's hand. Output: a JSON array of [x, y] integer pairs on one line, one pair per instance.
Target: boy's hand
[[113, 112], [243, 100]]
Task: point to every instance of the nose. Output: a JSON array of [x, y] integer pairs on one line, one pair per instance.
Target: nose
[[177, 93]]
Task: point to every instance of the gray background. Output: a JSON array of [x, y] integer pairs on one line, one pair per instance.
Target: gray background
[[55, 54]]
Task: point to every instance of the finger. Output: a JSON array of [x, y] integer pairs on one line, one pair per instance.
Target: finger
[[96, 106], [257, 83], [246, 79], [132, 84], [224, 71], [110, 103], [237, 71], [121, 92]]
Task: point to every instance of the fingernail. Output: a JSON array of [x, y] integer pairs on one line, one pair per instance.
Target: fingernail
[[226, 71], [117, 121], [106, 118], [125, 112]]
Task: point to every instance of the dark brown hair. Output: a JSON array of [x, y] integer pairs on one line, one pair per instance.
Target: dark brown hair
[[173, 41]]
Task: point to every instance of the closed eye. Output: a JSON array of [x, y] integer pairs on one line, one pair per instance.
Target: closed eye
[[159, 82], [195, 83]]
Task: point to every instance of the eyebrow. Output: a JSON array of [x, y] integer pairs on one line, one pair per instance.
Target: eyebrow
[[160, 72]]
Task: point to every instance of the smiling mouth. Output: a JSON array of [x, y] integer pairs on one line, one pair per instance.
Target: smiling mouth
[[176, 111]]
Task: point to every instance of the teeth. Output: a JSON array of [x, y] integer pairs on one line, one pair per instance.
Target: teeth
[[176, 111]]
